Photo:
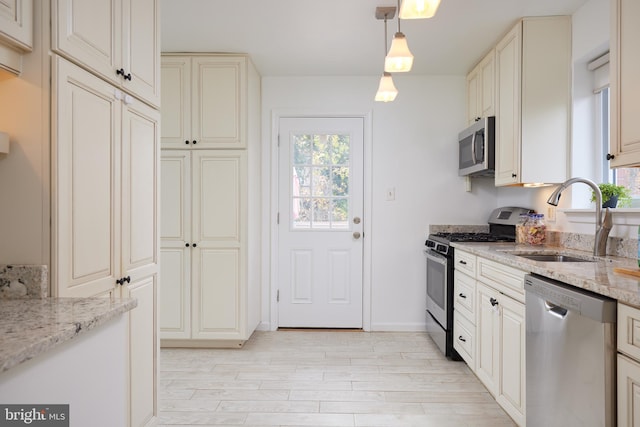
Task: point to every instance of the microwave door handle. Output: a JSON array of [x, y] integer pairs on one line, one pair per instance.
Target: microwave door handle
[[473, 148]]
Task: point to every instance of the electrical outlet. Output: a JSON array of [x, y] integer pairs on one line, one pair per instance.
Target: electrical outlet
[[551, 213]]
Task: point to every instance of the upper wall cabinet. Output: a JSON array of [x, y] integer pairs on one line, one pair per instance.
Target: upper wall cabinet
[[117, 39], [204, 101], [533, 102], [625, 83], [16, 23], [481, 89], [16, 33]]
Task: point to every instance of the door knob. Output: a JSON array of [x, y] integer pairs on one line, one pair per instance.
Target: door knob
[[356, 235]]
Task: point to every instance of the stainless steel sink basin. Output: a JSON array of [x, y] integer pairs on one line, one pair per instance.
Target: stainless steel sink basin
[[553, 258]]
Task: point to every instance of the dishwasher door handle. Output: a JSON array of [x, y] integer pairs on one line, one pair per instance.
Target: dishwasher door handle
[[555, 310]]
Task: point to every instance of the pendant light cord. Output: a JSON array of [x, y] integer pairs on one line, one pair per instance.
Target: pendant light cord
[[385, 34], [399, 16]]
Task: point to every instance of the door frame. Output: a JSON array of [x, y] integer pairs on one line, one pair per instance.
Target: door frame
[[276, 115]]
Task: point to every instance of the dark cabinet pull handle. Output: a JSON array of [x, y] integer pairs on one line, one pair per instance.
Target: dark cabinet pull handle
[[493, 301], [120, 72], [513, 175], [194, 245], [461, 338], [187, 142], [461, 295], [119, 281], [127, 77], [194, 142], [610, 156], [186, 245], [126, 279], [463, 262]]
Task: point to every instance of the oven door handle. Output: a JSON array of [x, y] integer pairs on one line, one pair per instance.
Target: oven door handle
[[435, 257]]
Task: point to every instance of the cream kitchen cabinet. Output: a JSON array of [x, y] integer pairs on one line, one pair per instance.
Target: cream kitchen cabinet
[[205, 100], [628, 365], [117, 39], [625, 83], [105, 165], [464, 307], [16, 24], [204, 299], [481, 89], [533, 102], [500, 341]]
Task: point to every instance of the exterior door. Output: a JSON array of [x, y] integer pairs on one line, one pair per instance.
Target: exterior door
[[320, 222]]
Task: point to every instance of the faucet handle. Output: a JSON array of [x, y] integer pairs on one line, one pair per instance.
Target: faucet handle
[[607, 222]]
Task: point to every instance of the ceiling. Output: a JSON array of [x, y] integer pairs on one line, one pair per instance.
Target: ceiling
[[343, 37]]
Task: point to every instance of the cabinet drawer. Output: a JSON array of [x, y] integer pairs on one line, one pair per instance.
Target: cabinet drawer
[[503, 278], [464, 290], [629, 331], [464, 339], [465, 262]]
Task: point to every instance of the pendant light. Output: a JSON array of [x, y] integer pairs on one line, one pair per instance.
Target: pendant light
[[387, 91], [418, 9], [399, 59]]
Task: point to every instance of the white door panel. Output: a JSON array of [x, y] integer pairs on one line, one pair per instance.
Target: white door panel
[[321, 208]]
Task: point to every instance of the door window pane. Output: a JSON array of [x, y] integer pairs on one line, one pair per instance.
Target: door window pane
[[320, 181]]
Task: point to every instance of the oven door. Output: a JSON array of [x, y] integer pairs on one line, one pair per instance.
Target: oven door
[[437, 277]]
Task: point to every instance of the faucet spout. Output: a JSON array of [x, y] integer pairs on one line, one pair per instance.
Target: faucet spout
[[602, 230]]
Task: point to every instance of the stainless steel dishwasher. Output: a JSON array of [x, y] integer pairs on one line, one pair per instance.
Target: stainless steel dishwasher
[[571, 354]]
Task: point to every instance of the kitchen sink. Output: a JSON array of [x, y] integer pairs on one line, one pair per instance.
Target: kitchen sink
[[554, 258]]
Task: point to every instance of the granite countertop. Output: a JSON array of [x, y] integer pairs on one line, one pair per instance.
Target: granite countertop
[[597, 276], [31, 327]]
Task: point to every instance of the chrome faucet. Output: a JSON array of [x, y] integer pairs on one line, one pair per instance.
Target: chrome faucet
[[602, 226]]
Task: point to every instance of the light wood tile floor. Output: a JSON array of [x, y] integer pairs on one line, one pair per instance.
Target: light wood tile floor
[[323, 378]]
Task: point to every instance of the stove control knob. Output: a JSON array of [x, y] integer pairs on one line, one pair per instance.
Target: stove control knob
[[356, 235]]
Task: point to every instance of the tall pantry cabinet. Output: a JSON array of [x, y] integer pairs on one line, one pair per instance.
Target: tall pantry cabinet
[[87, 144], [210, 230]]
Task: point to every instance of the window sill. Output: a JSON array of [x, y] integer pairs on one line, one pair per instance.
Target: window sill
[[621, 216]]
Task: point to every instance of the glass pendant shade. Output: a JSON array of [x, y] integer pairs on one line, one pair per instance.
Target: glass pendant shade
[[399, 59], [386, 90], [418, 9]]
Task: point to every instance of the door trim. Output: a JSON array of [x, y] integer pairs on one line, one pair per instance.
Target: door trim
[[276, 115]]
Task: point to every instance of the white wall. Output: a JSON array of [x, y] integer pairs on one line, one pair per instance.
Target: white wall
[[414, 149]]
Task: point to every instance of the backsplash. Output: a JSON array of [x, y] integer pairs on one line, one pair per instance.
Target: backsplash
[[23, 281], [616, 246]]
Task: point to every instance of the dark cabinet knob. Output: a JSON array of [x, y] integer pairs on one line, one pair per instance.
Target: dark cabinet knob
[[186, 245], [194, 245], [127, 77], [120, 72], [493, 301], [513, 175], [194, 142], [119, 281], [610, 156], [187, 142], [126, 279]]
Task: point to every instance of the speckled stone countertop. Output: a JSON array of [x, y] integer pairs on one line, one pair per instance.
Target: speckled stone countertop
[[31, 327], [595, 276]]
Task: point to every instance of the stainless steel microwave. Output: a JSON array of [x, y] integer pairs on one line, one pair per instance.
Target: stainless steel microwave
[[476, 146]]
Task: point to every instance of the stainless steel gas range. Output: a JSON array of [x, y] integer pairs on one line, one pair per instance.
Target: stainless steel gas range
[[440, 255]]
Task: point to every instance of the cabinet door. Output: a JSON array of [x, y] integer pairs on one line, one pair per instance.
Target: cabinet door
[[625, 84], [89, 32], [511, 395], [141, 49], [16, 23], [218, 104], [487, 98], [176, 101], [628, 392], [474, 90], [143, 351], [86, 186], [175, 295], [508, 79], [488, 337], [219, 191], [140, 164]]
